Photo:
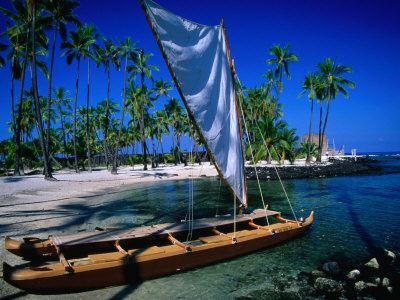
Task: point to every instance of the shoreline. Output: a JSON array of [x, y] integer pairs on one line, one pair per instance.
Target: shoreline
[[70, 184]]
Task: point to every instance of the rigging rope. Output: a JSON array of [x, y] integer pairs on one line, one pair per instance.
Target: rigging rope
[[276, 170], [191, 188], [219, 196], [255, 168], [277, 173]]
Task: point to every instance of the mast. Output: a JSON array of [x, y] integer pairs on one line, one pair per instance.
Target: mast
[[233, 73]]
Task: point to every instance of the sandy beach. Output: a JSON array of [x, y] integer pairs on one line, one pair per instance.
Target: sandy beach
[[30, 205]]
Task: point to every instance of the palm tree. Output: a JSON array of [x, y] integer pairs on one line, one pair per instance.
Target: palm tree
[[287, 140], [18, 36], [150, 132], [177, 120], [125, 49], [309, 84], [47, 171], [140, 66], [282, 59], [331, 73], [106, 55], [162, 87], [270, 83], [162, 127], [76, 48], [133, 104], [90, 32], [16, 45], [267, 137], [62, 100], [2, 60], [60, 12]]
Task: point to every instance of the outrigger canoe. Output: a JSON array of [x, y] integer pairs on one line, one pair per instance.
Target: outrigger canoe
[[150, 256]]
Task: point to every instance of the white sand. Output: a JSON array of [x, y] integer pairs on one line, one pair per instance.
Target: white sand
[[71, 184], [31, 205]]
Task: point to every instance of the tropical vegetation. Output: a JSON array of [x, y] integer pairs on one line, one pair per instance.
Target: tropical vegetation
[[49, 130]]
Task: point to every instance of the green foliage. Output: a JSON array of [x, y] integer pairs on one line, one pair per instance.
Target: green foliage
[[132, 160], [271, 137], [168, 158]]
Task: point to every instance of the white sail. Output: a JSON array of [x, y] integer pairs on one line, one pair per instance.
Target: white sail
[[197, 57]]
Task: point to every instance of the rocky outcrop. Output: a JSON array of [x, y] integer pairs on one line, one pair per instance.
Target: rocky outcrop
[[335, 167], [377, 279]]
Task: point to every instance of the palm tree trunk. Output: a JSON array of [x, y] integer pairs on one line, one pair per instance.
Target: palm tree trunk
[[106, 123], [87, 119], [63, 136], [170, 128], [153, 161], [142, 126], [319, 158], [47, 171], [327, 112], [308, 159], [12, 96], [162, 150], [49, 92], [75, 100], [114, 168], [18, 166]]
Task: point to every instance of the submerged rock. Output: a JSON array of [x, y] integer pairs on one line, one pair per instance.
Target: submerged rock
[[332, 268], [375, 280], [317, 273], [373, 264], [353, 275], [385, 282], [390, 255], [361, 286], [327, 286]]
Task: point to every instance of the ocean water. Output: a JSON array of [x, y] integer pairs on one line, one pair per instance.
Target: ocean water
[[355, 216]]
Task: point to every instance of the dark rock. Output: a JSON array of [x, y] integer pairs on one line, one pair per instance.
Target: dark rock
[[390, 255], [385, 282], [353, 275], [372, 264], [317, 273], [337, 167], [362, 286], [271, 294], [328, 286], [332, 268]]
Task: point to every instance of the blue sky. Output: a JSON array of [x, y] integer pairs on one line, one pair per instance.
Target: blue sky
[[360, 34]]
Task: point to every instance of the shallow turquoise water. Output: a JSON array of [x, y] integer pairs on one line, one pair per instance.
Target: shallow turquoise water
[[354, 216]]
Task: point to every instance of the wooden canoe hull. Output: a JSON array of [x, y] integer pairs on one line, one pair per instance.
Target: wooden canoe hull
[[139, 267], [33, 248]]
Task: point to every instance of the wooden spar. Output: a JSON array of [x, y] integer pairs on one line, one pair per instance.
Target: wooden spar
[[187, 106], [233, 73]]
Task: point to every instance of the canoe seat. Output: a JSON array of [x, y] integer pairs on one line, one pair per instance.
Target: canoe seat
[[105, 257], [213, 239], [147, 251], [281, 227], [243, 233]]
